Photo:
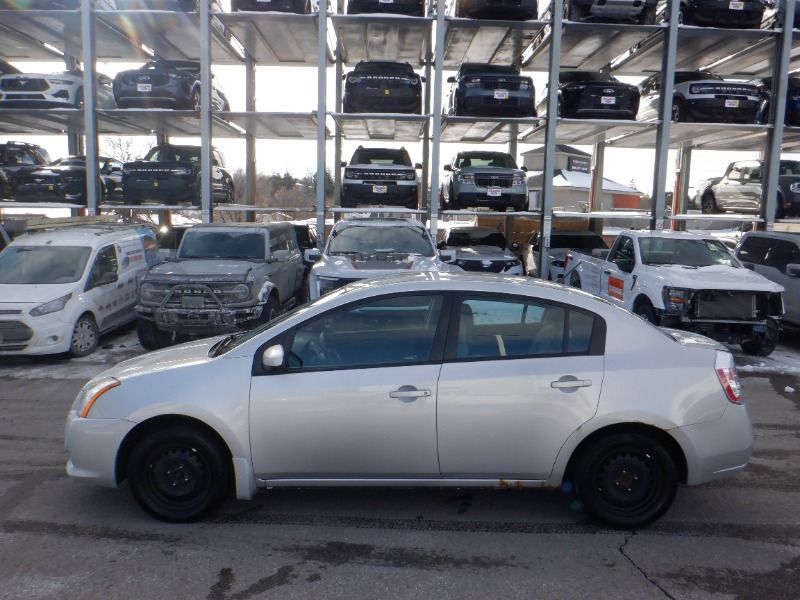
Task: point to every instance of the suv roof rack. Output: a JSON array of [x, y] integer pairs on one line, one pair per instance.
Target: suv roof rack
[[101, 222]]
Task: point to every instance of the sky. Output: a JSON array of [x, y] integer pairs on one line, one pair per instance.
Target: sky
[[293, 89]]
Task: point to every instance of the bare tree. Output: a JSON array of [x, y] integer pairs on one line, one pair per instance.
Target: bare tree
[[124, 149]]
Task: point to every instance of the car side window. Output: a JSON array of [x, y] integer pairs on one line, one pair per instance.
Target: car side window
[[104, 269], [623, 250], [754, 249], [782, 254], [505, 328], [393, 331]]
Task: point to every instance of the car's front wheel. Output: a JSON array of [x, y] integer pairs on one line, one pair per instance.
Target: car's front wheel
[[626, 480], [179, 473], [762, 345], [708, 204], [151, 337], [85, 337]]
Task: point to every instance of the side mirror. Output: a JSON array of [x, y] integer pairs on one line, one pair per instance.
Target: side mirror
[[105, 279], [418, 166], [447, 168], [793, 270], [273, 357], [447, 255], [344, 77], [343, 164], [523, 168], [280, 256], [441, 245], [451, 80], [514, 246], [423, 80], [312, 255]]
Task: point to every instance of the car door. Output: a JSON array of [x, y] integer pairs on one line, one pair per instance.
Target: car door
[[356, 398], [616, 279], [784, 253], [102, 289], [519, 376]]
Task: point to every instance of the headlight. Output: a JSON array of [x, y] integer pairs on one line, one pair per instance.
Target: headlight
[[525, 85], [50, 307], [574, 87], [349, 174], [473, 82], [148, 291], [414, 81], [795, 187], [468, 178], [91, 392], [517, 180], [676, 300], [241, 291], [353, 79]]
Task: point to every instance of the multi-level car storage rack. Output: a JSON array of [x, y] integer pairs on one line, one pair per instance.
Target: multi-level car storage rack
[[434, 43]]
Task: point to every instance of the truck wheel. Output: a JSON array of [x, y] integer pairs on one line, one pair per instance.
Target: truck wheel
[[762, 345], [452, 203], [270, 311], [85, 337], [151, 337], [647, 312], [708, 204]]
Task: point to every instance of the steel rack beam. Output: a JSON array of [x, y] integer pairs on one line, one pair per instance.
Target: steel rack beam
[[480, 130], [40, 121], [4, 204], [275, 126], [89, 109], [438, 81], [322, 129], [250, 172], [587, 131], [477, 41], [397, 127], [529, 214], [382, 37], [206, 196], [724, 217]]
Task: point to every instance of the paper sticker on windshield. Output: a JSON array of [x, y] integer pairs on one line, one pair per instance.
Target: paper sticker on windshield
[[616, 287]]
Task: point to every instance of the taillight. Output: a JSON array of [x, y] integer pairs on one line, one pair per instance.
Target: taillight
[[726, 372]]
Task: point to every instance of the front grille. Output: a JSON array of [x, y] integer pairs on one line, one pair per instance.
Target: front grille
[[24, 85], [133, 79], [14, 331], [721, 304], [483, 180], [374, 174], [195, 296], [477, 265]]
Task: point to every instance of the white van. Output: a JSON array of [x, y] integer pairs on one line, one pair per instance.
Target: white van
[[61, 288]]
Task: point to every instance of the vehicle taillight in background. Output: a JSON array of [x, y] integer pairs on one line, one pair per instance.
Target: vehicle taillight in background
[[726, 372]]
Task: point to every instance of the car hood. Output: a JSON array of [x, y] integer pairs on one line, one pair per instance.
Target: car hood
[[716, 277], [33, 293], [481, 253], [340, 266], [180, 268], [174, 357]]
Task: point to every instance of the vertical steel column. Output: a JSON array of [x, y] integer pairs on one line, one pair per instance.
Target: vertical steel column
[[322, 65], [681, 194], [427, 199], [549, 167], [438, 65], [89, 105], [598, 164], [337, 140], [665, 115], [205, 112], [772, 160], [250, 173], [74, 138]]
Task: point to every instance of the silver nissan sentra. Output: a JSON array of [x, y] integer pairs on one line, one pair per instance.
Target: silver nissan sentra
[[421, 379]]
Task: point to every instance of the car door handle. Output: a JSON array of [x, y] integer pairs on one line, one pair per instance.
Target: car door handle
[[569, 382], [408, 393], [607, 272]]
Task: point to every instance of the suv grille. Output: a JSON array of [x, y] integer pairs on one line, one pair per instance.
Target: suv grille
[[24, 85], [195, 296], [375, 174], [484, 180], [720, 304]]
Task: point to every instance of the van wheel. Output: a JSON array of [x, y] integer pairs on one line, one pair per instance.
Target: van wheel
[[708, 204], [85, 337], [151, 337]]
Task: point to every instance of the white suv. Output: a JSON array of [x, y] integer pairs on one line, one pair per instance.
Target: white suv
[[362, 248]]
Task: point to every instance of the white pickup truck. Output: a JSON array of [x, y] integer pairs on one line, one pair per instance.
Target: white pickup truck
[[685, 281]]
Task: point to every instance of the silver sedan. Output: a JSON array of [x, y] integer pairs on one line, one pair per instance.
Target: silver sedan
[[421, 379]]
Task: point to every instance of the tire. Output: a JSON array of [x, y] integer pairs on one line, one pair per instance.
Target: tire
[[151, 337], [271, 311], [762, 345], [576, 12], [179, 473], [708, 204], [647, 312], [79, 99], [5, 190], [678, 111], [195, 100], [452, 204], [626, 480], [85, 337]]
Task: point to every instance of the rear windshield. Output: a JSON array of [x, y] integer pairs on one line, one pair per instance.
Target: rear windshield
[[580, 76], [691, 253], [384, 68], [486, 159], [363, 241], [189, 154], [684, 76], [476, 237], [789, 167], [369, 156], [43, 264], [233, 245]]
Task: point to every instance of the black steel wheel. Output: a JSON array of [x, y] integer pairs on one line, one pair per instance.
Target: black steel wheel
[[270, 311], [626, 480], [85, 337], [179, 473], [151, 337], [764, 344], [195, 101]]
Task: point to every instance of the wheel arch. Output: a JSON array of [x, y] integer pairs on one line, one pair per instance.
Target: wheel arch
[[640, 300], [669, 443]]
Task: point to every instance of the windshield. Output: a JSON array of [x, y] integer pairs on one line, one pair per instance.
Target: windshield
[[486, 159], [238, 245], [174, 154], [684, 76], [380, 156], [368, 240], [31, 265], [692, 253], [789, 167], [476, 237], [581, 76]]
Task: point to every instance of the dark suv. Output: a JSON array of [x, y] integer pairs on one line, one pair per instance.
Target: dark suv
[[170, 174], [792, 116], [491, 90], [519, 10], [413, 8], [380, 176], [17, 158], [382, 87], [64, 180], [739, 14], [593, 95]]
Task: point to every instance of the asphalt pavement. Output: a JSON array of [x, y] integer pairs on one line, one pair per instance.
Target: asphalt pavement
[[736, 538]]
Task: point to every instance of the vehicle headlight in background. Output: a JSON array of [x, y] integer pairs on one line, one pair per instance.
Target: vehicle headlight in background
[[241, 291], [148, 291], [676, 300], [467, 178], [50, 307], [795, 187], [517, 180], [349, 174], [91, 392]]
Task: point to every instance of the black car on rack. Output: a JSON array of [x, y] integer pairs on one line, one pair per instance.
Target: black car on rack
[[792, 116], [619, 11], [64, 180], [516, 10], [412, 8], [289, 6], [382, 87], [170, 174], [380, 176], [165, 84], [735, 14], [490, 90], [593, 95], [16, 159]]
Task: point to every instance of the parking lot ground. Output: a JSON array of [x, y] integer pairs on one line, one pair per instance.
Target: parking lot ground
[[736, 538]]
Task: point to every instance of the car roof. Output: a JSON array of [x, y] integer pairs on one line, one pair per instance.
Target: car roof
[[378, 222], [80, 236]]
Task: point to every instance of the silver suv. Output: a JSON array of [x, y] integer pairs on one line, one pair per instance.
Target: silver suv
[[484, 179]]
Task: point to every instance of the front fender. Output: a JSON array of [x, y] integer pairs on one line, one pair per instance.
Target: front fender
[[265, 291]]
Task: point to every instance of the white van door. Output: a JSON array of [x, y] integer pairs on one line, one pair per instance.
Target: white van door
[[103, 288], [132, 263]]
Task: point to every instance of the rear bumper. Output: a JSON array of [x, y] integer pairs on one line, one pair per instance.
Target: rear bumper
[[400, 101], [483, 103], [497, 9], [717, 13], [713, 110], [166, 191]]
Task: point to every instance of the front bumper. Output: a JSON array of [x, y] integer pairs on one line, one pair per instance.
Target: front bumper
[[481, 198], [200, 321], [490, 266], [713, 110], [397, 194], [290, 6], [406, 101], [21, 334], [92, 446], [414, 8]]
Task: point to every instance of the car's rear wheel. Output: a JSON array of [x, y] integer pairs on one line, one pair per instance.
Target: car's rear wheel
[[151, 337], [648, 15], [85, 337], [626, 480], [708, 204], [576, 12], [179, 473]]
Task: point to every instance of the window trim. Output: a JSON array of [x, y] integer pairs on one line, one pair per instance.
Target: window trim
[[597, 343]]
